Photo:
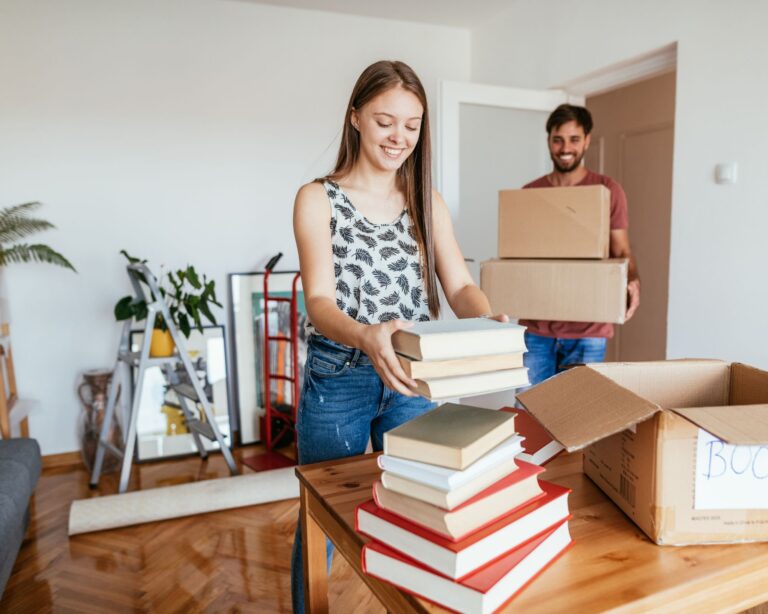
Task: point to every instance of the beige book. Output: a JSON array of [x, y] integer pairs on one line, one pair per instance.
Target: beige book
[[447, 499], [449, 339], [510, 492], [468, 385], [452, 435], [419, 369]]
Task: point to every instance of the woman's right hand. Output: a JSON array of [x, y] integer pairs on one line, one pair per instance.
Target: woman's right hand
[[377, 345]]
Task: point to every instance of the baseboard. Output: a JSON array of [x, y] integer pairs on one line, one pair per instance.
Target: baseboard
[[66, 459]]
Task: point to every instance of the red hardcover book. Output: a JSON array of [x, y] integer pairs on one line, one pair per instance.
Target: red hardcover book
[[538, 445], [482, 592], [458, 559], [510, 492]]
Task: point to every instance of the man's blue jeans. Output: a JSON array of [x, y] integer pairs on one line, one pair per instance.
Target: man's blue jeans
[[343, 403], [547, 356]]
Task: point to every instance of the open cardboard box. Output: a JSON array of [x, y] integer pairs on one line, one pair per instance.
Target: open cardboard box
[[645, 429]]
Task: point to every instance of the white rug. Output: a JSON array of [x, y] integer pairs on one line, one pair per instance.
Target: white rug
[[112, 511]]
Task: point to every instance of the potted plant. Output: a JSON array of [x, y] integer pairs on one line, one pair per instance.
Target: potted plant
[[189, 298]]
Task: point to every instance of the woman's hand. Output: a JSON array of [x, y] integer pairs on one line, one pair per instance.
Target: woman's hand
[[499, 317], [633, 298], [377, 345]]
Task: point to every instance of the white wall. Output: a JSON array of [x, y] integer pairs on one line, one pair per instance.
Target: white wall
[[718, 291], [178, 130], [499, 149]]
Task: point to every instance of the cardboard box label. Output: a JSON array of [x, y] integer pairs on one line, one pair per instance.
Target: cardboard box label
[[729, 476]]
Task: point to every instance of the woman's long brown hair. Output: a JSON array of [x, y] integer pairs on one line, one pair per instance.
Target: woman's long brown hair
[[414, 176]]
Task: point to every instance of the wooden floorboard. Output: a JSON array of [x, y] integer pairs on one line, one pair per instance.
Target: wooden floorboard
[[230, 561]]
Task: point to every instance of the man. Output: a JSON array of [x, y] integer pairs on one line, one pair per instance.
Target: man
[[553, 346]]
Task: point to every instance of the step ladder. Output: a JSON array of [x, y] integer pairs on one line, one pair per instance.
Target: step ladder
[[187, 391]]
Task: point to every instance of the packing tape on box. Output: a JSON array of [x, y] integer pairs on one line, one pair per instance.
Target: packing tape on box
[[666, 520]]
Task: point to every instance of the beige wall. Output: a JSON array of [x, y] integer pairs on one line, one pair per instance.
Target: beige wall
[[632, 142]]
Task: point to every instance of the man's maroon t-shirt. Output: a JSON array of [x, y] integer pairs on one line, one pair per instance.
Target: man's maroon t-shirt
[[619, 220]]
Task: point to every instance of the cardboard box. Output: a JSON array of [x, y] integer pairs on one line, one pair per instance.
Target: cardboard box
[[569, 290], [572, 222], [647, 432]]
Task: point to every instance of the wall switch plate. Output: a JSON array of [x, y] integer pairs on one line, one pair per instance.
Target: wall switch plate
[[726, 173]]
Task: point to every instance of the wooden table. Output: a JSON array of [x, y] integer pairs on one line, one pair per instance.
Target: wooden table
[[612, 566]]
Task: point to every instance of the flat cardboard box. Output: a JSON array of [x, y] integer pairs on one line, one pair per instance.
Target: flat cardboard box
[[571, 222], [640, 424], [565, 290]]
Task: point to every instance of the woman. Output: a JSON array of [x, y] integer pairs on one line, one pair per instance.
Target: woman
[[373, 239]]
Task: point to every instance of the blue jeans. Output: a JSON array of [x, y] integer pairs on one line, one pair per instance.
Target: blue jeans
[[547, 356], [343, 403]]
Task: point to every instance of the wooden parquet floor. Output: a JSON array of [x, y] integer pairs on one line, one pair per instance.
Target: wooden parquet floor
[[230, 561]]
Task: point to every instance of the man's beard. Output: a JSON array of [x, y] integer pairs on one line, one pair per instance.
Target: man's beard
[[567, 169]]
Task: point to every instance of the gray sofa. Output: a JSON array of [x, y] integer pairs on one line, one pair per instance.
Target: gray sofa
[[20, 465]]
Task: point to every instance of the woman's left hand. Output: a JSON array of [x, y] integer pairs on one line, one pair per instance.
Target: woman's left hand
[[377, 345], [499, 317]]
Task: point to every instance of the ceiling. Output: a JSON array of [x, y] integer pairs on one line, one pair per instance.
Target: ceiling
[[457, 13]]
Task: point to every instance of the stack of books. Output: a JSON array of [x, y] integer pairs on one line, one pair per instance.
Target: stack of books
[[456, 518], [459, 358]]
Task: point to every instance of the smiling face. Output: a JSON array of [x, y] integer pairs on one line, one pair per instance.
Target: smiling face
[[389, 126], [567, 146]]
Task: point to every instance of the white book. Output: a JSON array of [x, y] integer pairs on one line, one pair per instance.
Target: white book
[[447, 479], [468, 385], [448, 499], [450, 339]]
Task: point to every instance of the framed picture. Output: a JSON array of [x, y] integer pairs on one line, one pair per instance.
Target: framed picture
[[161, 430], [247, 317]]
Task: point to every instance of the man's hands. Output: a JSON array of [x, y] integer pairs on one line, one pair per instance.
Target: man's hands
[[633, 298], [377, 345]]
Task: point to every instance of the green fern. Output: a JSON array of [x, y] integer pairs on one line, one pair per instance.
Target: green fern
[[16, 224], [33, 253]]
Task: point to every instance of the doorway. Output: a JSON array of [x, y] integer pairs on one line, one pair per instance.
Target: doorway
[[633, 142], [491, 138]]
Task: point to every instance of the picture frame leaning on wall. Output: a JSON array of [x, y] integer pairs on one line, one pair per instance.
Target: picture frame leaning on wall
[[161, 429]]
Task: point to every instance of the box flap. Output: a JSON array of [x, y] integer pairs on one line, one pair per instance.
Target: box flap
[[581, 406], [735, 424], [748, 385], [673, 383]]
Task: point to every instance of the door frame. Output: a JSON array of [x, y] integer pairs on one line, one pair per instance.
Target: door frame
[[614, 76]]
